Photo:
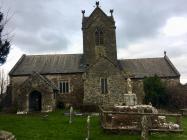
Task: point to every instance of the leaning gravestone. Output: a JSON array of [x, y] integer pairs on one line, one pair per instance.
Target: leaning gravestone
[[70, 114], [88, 128], [5, 135]]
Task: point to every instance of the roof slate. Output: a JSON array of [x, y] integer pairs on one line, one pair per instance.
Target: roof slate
[[48, 64], [149, 67], [72, 63]]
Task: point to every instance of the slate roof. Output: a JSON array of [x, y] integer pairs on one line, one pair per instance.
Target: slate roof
[[48, 64], [149, 67], [72, 63]]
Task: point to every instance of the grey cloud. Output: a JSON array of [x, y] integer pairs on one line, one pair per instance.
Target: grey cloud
[[41, 42], [142, 19], [135, 19], [30, 20]]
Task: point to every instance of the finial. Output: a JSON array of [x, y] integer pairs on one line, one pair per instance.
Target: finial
[[165, 53], [83, 12], [97, 3], [111, 11]]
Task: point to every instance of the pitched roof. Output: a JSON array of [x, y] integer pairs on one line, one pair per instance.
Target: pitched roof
[[35, 76], [99, 11], [72, 63], [149, 67], [48, 64], [46, 80]]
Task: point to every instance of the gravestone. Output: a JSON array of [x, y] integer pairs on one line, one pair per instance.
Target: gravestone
[[88, 128], [70, 114]]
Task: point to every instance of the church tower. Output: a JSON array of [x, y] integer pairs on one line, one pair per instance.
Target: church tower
[[99, 36]]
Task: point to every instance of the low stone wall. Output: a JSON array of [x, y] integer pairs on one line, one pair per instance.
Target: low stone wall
[[129, 118]]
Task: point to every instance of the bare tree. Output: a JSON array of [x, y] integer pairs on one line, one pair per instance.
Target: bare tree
[[4, 81]]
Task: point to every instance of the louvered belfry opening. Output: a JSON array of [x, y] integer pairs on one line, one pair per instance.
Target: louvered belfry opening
[[99, 37]]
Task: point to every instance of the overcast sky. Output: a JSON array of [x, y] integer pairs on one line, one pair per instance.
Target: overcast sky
[[145, 28]]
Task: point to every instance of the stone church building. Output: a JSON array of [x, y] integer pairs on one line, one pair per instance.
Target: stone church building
[[40, 82]]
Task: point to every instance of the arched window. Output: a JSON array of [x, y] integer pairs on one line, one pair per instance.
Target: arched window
[[99, 37]]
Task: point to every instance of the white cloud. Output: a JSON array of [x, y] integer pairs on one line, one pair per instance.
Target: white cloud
[[175, 26]]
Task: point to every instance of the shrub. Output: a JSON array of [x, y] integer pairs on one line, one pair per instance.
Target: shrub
[[177, 97], [155, 91]]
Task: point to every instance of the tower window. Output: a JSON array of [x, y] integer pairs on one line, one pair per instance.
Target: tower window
[[104, 86], [99, 37], [64, 86]]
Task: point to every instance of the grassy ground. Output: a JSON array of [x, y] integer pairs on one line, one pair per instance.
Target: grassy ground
[[56, 127]]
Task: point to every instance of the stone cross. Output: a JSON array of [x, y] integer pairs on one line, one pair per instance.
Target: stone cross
[[70, 114], [129, 86], [88, 128]]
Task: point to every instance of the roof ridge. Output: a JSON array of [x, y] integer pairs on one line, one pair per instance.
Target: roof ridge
[[53, 54], [141, 58]]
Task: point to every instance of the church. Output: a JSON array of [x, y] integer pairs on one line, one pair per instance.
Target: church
[[96, 77]]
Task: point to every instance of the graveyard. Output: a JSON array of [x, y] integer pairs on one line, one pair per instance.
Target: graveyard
[[93, 95], [128, 120], [56, 126]]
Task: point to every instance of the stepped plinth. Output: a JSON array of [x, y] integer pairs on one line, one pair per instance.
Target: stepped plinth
[[130, 99]]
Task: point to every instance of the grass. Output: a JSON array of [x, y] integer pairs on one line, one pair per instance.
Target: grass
[[57, 127]]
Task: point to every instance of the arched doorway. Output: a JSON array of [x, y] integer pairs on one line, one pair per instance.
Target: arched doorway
[[35, 100]]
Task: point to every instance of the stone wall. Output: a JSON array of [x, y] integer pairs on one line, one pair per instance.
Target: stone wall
[[75, 97], [171, 81], [35, 83], [92, 86], [15, 82], [107, 24], [116, 85]]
